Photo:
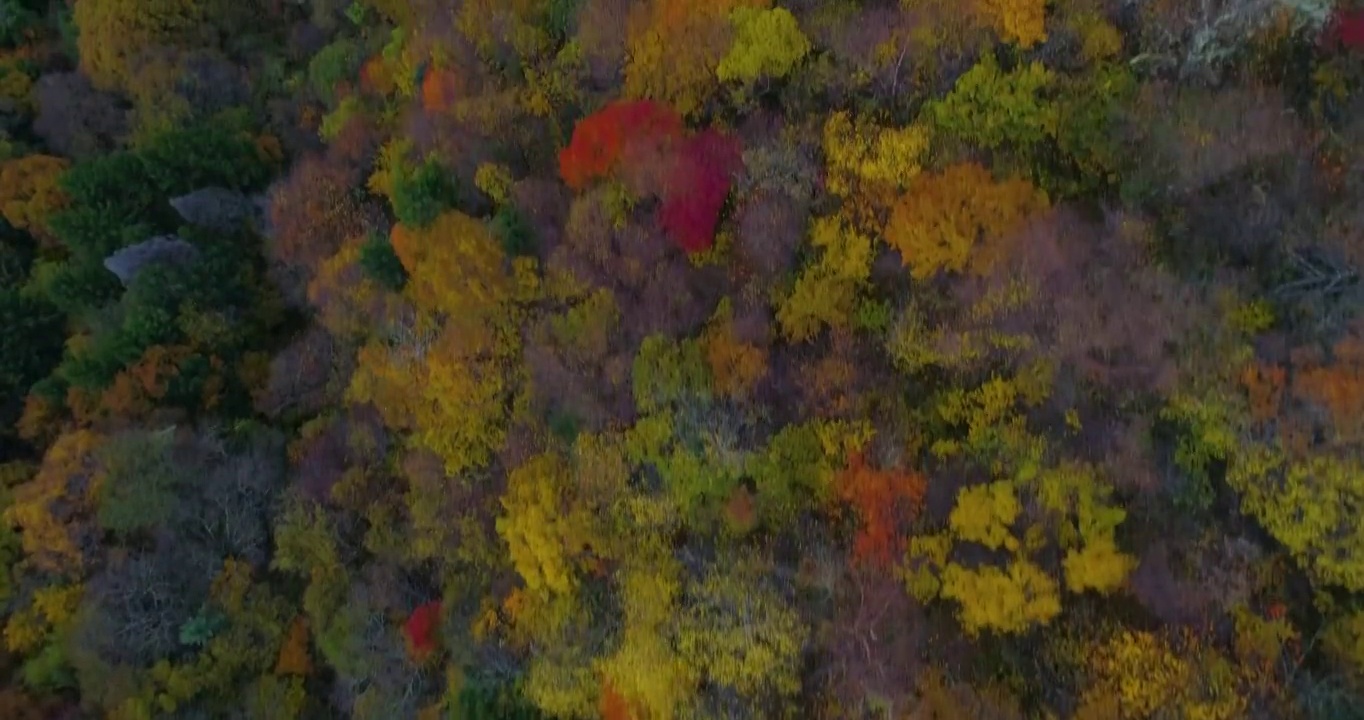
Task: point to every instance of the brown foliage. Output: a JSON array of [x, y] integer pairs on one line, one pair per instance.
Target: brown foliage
[[302, 377], [313, 210], [770, 227], [294, 658]]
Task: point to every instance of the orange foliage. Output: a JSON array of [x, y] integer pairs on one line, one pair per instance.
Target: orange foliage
[[440, 89], [622, 133], [1265, 386], [294, 658], [882, 499], [1338, 388], [736, 367], [613, 705]]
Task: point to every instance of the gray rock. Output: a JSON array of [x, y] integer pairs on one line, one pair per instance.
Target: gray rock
[[128, 262], [216, 208]]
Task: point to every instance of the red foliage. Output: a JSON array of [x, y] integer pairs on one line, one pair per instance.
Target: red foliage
[[1346, 29], [882, 499], [612, 135], [421, 630], [643, 141], [696, 189]]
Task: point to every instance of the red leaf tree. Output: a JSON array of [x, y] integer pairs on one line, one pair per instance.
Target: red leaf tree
[[421, 628], [697, 187], [882, 499], [642, 143], [616, 134]]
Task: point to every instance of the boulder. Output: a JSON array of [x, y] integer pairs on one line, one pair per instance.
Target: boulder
[[128, 262], [217, 209]]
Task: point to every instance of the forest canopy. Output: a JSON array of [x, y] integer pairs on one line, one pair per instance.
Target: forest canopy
[[654, 359]]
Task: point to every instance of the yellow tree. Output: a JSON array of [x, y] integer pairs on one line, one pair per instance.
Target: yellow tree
[[1021, 22], [767, 44], [29, 193], [546, 531], [827, 290], [869, 165], [675, 46], [949, 220], [115, 33], [740, 633], [52, 510]]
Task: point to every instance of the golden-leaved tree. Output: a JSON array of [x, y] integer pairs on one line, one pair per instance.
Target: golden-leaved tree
[[951, 221]]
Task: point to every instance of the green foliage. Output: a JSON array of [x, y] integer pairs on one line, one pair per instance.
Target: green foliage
[[381, 264], [513, 232], [668, 372], [990, 108], [30, 344], [202, 627], [422, 193], [336, 63], [139, 482]]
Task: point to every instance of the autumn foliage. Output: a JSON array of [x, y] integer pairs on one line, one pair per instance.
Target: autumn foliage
[[621, 133], [883, 500], [642, 143], [421, 629]]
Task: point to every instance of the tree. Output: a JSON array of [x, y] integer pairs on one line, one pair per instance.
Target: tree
[[868, 165], [31, 344], [1021, 22], [674, 47], [113, 33], [740, 632], [544, 529], [1007, 601], [767, 44], [990, 108], [622, 133], [883, 501], [695, 189], [826, 291], [953, 220], [31, 192]]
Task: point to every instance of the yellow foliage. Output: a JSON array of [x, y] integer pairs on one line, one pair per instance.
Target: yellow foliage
[[48, 542], [29, 193], [646, 669], [1021, 22], [457, 269], [463, 411], [51, 609], [675, 46], [1142, 670], [115, 33], [1099, 566], [768, 43], [869, 165], [826, 291], [941, 222], [984, 514], [741, 634], [495, 180], [543, 531], [1006, 602]]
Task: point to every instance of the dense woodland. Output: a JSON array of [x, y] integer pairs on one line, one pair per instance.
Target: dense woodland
[[653, 359]]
